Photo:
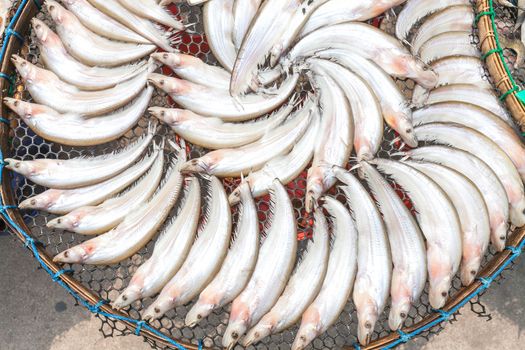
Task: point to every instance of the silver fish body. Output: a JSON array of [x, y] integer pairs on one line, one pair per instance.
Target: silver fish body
[[74, 129], [151, 10], [339, 280], [475, 143], [218, 103], [302, 288], [470, 94], [485, 122], [415, 10], [56, 58], [93, 220], [286, 168], [374, 263], [64, 201], [213, 133], [454, 70], [102, 52], [364, 106], [394, 106], [46, 88], [100, 23], [385, 50], [406, 245], [439, 223], [448, 44], [194, 69], [237, 267], [134, 232], [266, 29], [335, 140], [340, 11], [272, 270], [474, 218], [218, 26], [232, 162], [79, 172], [482, 176], [141, 26], [244, 12], [171, 249], [204, 259], [453, 18]]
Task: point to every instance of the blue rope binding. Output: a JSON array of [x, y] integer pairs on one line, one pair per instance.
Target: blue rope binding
[[30, 243]]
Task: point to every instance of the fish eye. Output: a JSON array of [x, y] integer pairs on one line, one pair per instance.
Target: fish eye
[[409, 130], [402, 315], [38, 26], [59, 221], [33, 201], [199, 316], [473, 272], [368, 325], [17, 165], [444, 294], [52, 8], [163, 114], [161, 82], [165, 56], [16, 103], [235, 335]]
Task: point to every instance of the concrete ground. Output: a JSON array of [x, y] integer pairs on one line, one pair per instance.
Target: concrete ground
[[38, 314]]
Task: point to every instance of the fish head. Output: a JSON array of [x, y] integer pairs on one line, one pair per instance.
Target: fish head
[[24, 168], [42, 201], [22, 108], [73, 255], [438, 293], [198, 312], [68, 222], [170, 116], [260, 331], [367, 316], [233, 333], [155, 311], [41, 30], [242, 193], [398, 313], [517, 211], [169, 85], [171, 59], [129, 295], [306, 334], [27, 71], [59, 14], [416, 71], [197, 165], [401, 121], [319, 179], [472, 257]]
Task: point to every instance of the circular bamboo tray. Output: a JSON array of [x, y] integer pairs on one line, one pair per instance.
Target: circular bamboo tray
[[427, 324]]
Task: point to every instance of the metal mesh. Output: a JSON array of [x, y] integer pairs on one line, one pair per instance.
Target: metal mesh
[[109, 281], [511, 40]]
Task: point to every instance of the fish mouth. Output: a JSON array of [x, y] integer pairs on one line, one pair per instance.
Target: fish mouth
[[194, 166]]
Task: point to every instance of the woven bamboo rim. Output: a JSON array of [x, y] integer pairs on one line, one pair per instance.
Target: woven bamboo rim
[[490, 47], [17, 226]]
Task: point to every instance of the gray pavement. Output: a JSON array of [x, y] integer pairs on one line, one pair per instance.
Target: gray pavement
[[38, 314]]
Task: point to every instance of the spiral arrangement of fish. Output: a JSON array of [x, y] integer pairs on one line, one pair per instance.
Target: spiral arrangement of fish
[[461, 162]]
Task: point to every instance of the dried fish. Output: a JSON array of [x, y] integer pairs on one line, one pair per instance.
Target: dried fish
[[406, 245], [100, 23], [448, 44], [439, 223], [302, 288], [64, 201], [171, 249], [94, 220], [82, 171], [237, 267], [151, 10], [56, 58], [243, 160], [339, 280], [482, 176], [244, 12], [90, 48], [134, 232], [218, 26], [218, 103], [272, 270], [204, 259], [213, 133]]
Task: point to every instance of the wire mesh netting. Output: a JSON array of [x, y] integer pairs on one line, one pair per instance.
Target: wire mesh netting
[[109, 281], [511, 34]]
